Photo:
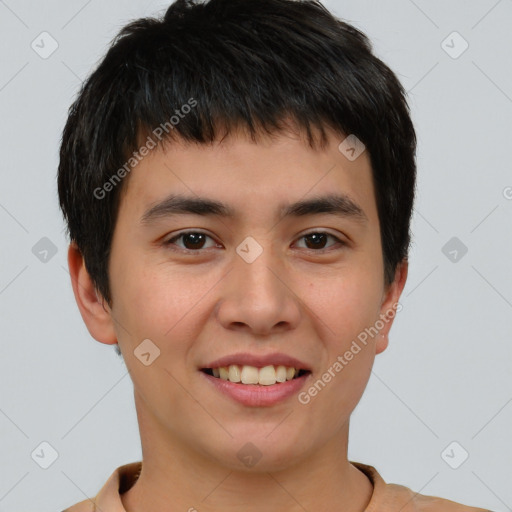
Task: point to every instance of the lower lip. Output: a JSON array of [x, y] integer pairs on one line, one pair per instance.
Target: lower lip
[[253, 395]]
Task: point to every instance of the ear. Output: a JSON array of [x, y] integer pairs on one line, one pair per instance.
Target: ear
[[390, 307], [96, 316]]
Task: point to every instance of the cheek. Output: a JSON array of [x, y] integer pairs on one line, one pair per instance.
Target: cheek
[[150, 299], [346, 304], [152, 303], [350, 309], [359, 305]]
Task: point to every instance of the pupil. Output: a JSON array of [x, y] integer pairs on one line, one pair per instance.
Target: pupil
[[195, 237], [316, 238]]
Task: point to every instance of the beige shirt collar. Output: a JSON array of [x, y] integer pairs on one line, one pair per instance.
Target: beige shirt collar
[[385, 497]]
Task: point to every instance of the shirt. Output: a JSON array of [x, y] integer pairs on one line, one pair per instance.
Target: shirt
[[385, 497]]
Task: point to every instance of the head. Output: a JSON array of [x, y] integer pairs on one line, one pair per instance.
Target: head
[[244, 104]]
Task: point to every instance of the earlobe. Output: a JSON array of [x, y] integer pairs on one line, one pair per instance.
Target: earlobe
[[390, 305], [97, 317], [381, 343]]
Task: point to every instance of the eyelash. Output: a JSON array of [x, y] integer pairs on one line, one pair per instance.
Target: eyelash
[[171, 241]]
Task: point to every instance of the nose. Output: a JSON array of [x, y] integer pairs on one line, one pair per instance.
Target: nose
[[259, 297]]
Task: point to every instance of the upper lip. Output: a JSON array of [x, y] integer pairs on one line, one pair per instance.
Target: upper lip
[[259, 361]]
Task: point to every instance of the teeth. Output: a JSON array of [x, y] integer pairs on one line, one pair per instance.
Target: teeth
[[249, 375], [266, 376], [290, 373], [234, 373], [281, 373]]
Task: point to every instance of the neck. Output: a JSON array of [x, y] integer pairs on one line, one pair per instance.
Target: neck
[[175, 477]]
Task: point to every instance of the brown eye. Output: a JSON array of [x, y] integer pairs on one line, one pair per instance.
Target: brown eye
[[318, 239], [192, 240]]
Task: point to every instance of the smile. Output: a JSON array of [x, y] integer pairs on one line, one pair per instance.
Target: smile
[[251, 375]]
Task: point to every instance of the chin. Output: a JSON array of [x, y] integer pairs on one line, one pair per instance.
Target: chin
[[259, 453]]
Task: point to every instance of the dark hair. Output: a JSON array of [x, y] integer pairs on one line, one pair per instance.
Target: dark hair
[[248, 64]]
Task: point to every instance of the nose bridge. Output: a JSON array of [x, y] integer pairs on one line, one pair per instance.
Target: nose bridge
[[256, 266], [257, 295]]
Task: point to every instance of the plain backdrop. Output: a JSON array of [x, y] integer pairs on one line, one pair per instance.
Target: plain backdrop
[[441, 392]]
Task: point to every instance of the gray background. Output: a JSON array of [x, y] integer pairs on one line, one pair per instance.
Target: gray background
[[447, 374]]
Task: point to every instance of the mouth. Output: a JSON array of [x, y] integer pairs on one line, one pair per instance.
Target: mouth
[[256, 376]]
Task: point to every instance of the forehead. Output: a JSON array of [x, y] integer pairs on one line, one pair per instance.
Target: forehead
[[249, 177]]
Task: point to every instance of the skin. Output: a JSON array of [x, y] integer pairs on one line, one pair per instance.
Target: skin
[[308, 302]]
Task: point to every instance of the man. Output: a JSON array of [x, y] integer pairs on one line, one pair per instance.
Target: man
[[238, 180]]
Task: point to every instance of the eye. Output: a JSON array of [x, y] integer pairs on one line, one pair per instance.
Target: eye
[[317, 240], [193, 239]]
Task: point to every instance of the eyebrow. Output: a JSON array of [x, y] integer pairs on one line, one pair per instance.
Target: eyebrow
[[339, 205]]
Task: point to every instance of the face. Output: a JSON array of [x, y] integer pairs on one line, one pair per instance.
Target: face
[[249, 281]]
